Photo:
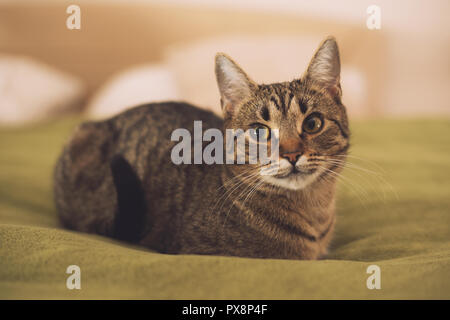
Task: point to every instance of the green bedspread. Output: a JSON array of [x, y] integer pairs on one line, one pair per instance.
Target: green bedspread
[[394, 213]]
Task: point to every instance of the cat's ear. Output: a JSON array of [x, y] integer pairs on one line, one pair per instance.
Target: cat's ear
[[234, 85], [325, 66]]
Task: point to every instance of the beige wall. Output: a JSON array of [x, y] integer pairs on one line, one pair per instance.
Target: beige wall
[[405, 64]]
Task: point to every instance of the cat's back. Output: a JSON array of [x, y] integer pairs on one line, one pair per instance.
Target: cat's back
[[166, 117], [142, 135]]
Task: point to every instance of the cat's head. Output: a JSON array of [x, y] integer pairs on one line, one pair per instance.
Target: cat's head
[[308, 113]]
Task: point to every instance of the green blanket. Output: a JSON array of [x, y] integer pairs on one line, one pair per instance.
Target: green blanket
[[393, 211]]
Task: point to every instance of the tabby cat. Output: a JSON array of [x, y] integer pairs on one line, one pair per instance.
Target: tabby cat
[[116, 177]]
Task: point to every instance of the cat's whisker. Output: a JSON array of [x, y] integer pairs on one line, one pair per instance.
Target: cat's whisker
[[351, 185], [378, 177], [228, 181], [248, 187], [348, 163], [363, 159], [235, 187], [231, 183], [252, 192], [253, 187]]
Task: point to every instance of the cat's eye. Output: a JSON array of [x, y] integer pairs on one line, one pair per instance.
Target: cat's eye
[[313, 123], [259, 132]]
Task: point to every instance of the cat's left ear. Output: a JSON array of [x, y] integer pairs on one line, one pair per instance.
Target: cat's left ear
[[234, 85], [325, 67]]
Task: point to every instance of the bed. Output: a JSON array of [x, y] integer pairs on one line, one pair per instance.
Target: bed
[[393, 212]]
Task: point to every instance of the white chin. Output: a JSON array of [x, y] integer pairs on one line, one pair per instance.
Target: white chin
[[292, 182]]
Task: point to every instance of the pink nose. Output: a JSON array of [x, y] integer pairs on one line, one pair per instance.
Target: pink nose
[[292, 157]]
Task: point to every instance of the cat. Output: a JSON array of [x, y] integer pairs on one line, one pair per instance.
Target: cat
[[116, 178]]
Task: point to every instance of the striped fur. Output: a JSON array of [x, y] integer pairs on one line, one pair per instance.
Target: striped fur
[[214, 209]]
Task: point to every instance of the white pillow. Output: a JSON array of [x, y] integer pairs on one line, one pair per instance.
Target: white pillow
[[266, 59], [131, 87], [31, 91]]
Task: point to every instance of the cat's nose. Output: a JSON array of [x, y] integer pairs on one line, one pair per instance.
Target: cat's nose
[[292, 157]]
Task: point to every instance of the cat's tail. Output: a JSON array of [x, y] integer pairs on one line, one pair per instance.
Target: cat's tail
[[130, 216]]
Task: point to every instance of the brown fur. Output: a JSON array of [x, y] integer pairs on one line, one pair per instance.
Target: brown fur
[[216, 209]]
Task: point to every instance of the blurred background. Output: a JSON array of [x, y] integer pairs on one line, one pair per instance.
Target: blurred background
[[131, 52], [393, 197]]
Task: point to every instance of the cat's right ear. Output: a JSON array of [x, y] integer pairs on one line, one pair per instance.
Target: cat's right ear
[[234, 85], [325, 66]]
